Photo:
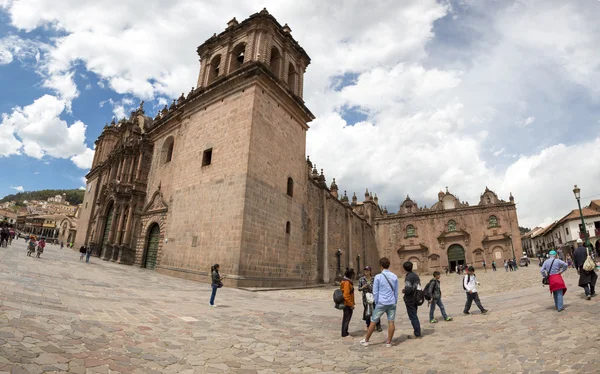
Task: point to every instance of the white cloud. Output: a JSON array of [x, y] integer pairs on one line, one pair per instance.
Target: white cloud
[[41, 132], [18, 188], [36, 173], [527, 121], [499, 152], [82, 188], [84, 160]]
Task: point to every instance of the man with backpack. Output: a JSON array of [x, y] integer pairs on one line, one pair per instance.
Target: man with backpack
[[470, 286], [385, 293], [347, 288], [433, 293], [412, 298]]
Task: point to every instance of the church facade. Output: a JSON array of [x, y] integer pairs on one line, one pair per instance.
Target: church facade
[[221, 176], [451, 232]]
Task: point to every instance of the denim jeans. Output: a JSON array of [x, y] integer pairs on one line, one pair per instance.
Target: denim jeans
[[411, 310], [87, 256], [558, 299], [439, 303], [214, 293]]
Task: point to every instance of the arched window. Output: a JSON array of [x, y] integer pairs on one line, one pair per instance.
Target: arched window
[[237, 57], [275, 61], [493, 221], [290, 187], [292, 77], [410, 231], [167, 149], [214, 67], [288, 227], [451, 225]]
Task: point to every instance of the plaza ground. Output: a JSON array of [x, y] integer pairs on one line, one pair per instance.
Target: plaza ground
[[60, 315]]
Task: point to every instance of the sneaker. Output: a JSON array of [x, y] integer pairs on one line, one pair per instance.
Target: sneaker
[[364, 343], [466, 313], [485, 311], [560, 310], [388, 345], [214, 305], [433, 321], [448, 319], [379, 329], [415, 336], [589, 297]]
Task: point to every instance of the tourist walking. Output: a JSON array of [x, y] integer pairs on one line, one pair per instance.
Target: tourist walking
[[88, 253], [385, 293], [348, 291], [62, 245], [217, 282], [365, 285], [40, 247], [82, 252], [484, 266], [31, 246], [553, 269], [436, 298], [506, 265], [411, 284], [494, 265], [587, 278], [470, 286]]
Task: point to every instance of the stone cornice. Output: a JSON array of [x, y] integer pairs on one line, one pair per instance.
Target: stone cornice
[[421, 215]]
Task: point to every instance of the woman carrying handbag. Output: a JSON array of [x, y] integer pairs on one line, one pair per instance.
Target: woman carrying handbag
[[217, 282], [551, 271]]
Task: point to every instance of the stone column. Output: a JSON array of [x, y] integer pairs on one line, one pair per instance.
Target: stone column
[[139, 165], [113, 226], [130, 174], [350, 257], [128, 226], [119, 167], [120, 225], [325, 249]]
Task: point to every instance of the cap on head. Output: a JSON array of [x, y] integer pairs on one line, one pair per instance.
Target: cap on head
[[367, 268], [579, 241], [552, 253]]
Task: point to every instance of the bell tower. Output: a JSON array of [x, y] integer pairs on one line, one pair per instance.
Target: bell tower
[[259, 39]]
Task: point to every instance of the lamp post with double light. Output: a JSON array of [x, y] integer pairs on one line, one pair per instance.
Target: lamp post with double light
[[577, 193]]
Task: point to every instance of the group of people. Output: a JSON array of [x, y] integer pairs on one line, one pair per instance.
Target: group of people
[[552, 270], [7, 234], [84, 251], [380, 297], [511, 265], [36, 245]]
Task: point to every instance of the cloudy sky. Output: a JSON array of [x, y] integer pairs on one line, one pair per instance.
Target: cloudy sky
[[410, 96]]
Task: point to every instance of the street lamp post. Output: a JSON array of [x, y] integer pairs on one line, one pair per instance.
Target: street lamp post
[[577, 193]]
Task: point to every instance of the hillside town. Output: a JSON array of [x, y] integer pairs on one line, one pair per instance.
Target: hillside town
[[54, 219]]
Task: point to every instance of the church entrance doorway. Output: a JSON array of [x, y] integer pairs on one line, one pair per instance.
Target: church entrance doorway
[[456, 256], [151, 251], [107, 226]]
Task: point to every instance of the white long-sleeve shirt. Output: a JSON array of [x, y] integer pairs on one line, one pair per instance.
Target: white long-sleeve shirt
[[470, 283]]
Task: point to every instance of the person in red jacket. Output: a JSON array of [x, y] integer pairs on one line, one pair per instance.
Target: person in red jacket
[[347, 288]]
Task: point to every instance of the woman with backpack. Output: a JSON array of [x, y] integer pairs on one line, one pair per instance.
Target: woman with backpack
[[365, 284], [217, 282], [347, 288]]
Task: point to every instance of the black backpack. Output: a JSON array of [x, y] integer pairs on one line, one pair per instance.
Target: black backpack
[[338, 298], [419, 297], [428, 291], [468, 276]]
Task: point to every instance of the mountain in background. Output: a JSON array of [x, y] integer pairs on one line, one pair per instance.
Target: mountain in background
[[74, 197]]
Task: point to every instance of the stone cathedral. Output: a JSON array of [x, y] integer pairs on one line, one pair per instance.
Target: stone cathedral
[[221, 176]]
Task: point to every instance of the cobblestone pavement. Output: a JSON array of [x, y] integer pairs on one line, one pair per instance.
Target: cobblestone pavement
[[60, 315]]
